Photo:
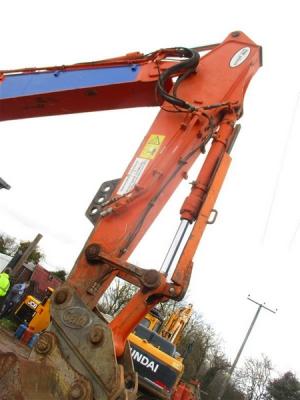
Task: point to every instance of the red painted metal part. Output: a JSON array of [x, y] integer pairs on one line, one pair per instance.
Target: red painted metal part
[[137, 93], [215, 82], [133, 94], [218, 89], [191, 206], [182, 273], [186, 392]]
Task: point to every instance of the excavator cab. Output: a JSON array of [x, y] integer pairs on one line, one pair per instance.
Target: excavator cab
[[154, 360], [154, 353], [153, 320]]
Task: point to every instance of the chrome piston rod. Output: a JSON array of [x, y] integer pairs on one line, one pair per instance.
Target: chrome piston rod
[[171, 254]]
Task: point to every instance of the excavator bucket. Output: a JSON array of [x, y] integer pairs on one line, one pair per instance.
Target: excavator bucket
[[72, 366], [21, 379]]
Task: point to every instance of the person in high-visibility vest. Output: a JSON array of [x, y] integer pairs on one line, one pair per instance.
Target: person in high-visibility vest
[[14, 297], [4, 282]]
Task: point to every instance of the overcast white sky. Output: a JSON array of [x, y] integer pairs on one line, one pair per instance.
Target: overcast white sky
[[55, 165]]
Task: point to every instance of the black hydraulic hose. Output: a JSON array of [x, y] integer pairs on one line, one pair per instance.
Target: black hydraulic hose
[[183, 69]]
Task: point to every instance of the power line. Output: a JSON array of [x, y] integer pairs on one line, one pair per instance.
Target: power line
[[294, 235], [281, 165]]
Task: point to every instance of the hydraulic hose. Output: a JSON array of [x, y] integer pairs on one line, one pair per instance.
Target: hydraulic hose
[[183, 69]]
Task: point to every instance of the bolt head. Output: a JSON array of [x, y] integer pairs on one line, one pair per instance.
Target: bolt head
[[76, 392], [80, 390], [92, 252], [96, 335], [44, 344], [60, 296], [151, 279]]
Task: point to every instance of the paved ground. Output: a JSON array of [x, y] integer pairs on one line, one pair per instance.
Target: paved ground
[[8, 343]]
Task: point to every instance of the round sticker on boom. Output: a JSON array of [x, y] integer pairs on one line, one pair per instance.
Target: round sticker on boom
[[239, 57]]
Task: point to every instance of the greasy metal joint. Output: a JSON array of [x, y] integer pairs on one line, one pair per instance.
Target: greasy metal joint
[[92, 252], [96, 335], [61, 295], [151, 279], [44, 344]]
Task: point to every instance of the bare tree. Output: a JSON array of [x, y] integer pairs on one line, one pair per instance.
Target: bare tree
[[201, 349], [252, 379], [116, 297], [8, 244]]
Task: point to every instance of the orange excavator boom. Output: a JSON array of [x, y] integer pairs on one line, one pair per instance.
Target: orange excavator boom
[[200, 101]]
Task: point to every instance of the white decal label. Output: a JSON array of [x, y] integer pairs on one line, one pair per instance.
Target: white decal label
[[144, 360], [239, 57], [134, 174]]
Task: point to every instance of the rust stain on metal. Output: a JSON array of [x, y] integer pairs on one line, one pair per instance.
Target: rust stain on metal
[[26, 380]]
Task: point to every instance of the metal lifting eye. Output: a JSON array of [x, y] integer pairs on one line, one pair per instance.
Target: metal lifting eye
[[213, 216]]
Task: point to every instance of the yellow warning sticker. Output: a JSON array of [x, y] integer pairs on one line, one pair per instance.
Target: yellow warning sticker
[[152, 146]]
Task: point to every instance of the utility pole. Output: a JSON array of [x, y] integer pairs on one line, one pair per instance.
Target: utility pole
[[227, 378], [24, 256]]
